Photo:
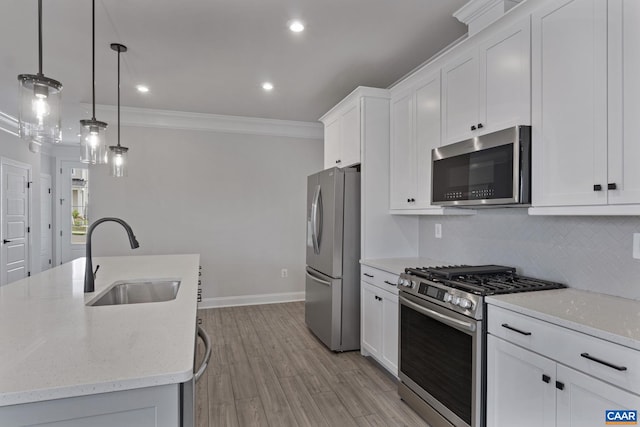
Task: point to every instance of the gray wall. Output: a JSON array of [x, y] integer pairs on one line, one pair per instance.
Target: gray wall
[[238, 200], [590, 253]]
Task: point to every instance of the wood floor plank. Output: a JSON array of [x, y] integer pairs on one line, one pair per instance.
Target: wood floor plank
[[220, 389], [251, 413], [352, 397], [223, 415], [273, 399], [333, 410], [302, 404], [242, 380]]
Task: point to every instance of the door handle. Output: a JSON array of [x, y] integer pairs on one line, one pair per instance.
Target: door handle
[[316, 217], [5, 241]]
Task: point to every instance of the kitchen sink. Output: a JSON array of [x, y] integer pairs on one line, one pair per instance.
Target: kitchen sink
[[138, 291]]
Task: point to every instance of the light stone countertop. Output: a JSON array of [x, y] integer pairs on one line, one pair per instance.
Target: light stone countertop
[[54, 346], [397, 265], [611, 318]]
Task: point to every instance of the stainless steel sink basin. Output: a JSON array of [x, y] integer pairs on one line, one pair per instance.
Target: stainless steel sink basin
[[139, 291]]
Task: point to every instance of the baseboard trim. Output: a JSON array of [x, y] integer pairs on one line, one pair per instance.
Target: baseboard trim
[[251, 300]]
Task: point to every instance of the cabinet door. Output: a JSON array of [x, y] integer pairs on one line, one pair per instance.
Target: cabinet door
[[403, 159], [389, 349], [624, 101], [371, 319], [518, 391], [427, 137], [460, 89], [583, 400], [332, 143], [350, 135], [505, 79], [569, 103]]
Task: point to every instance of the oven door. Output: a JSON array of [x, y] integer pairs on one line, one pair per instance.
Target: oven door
[[440, 359]]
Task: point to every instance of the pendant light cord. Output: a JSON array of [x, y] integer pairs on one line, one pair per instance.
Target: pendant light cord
[[93, 57], [40, 37], [118, 97]]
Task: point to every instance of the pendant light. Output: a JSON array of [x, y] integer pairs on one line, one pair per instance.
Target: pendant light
[[40, 103], [118, 153], [93, 149]]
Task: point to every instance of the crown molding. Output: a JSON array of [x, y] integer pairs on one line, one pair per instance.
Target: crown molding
[[166, 119], [9, 124], [478, 14]]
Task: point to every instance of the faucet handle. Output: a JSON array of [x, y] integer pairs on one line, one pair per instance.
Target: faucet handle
[[96, 271]]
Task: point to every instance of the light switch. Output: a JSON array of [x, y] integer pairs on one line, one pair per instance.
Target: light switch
[[636, 245], [438, 231]]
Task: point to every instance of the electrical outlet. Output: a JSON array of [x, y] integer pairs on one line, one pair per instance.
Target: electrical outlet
[[438, 231], [636, 245], [284, 272]]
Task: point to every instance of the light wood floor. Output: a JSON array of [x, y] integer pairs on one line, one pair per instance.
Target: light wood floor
[[267, 369]]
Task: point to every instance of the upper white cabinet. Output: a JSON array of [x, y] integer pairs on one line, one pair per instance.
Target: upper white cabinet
[[584, 107], [342, 128], [415, 130], [486, 86]]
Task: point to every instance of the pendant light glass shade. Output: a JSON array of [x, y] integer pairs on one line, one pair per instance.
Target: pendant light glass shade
[[118, 161], [93, 147], [40, 108], [40, 103], [118, 153]]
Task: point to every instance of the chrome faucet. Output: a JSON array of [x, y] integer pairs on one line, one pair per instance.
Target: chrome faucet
[[89, 274]]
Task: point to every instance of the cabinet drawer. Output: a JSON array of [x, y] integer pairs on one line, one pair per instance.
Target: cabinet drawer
[[601, 359], [382, 279]]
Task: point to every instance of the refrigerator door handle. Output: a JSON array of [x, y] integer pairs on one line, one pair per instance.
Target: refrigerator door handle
[[316, 279], [316, 220]]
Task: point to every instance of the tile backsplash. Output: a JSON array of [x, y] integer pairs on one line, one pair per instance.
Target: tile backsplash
[[590, 253]]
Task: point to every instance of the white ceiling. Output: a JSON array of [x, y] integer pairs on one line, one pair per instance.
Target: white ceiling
[[211, 56]]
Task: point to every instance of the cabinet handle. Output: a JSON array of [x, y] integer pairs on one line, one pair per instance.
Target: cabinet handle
[[473, 127], [612, 186], [603, 362], [368, 275], [412, 200], [378, 298], [389, 283], [480, 126], [546, 378], [559, 385], [511, 328], [597, 187], [408, 200], [338, 161]]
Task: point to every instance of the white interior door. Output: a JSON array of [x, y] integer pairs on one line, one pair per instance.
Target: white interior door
[[15, 221], [46, 222]]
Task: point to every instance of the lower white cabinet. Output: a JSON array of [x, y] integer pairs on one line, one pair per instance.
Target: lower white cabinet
[[379, 323], [530, 385], [146, 407]]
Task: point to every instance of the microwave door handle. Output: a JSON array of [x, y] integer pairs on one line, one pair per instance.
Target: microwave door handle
[[455, 323]]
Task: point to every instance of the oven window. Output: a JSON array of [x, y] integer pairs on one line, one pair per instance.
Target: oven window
[[439, 359]]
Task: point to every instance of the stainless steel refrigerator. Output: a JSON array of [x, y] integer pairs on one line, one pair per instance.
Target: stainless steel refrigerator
[[332, 301]]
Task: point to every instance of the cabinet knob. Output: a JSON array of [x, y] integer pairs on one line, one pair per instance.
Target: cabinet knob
[[413, 200], [473, 127], [408, 200], [480, 126], [612, 186], [597, 187]]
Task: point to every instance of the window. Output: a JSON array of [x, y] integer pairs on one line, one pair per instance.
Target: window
[[79, 205]]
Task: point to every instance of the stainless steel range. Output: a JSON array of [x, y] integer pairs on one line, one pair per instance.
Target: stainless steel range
[[442, 338]]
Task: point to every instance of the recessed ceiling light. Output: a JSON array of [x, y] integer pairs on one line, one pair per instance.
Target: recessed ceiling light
[[142, 88], [267, 86], [296, 26]]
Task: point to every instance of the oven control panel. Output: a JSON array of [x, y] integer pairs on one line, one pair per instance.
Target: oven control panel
[[454, 299]]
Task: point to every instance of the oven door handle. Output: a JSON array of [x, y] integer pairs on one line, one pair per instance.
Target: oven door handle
[[455, 323]]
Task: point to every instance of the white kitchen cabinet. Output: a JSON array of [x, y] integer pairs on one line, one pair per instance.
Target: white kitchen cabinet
[[541, 374], [486, 87], [379, 320], [518, 392], [584, 107], [146, 407], [343, 128]]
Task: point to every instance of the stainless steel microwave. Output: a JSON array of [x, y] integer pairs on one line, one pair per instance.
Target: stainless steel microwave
[[488, 170]]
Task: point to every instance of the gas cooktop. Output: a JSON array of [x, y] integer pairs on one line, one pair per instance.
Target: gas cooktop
[[482, 279]]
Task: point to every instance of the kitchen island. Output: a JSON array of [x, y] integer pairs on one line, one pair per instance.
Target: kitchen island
[[56, 349]]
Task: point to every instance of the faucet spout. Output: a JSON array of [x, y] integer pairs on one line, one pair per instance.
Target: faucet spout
[[89, 276]]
